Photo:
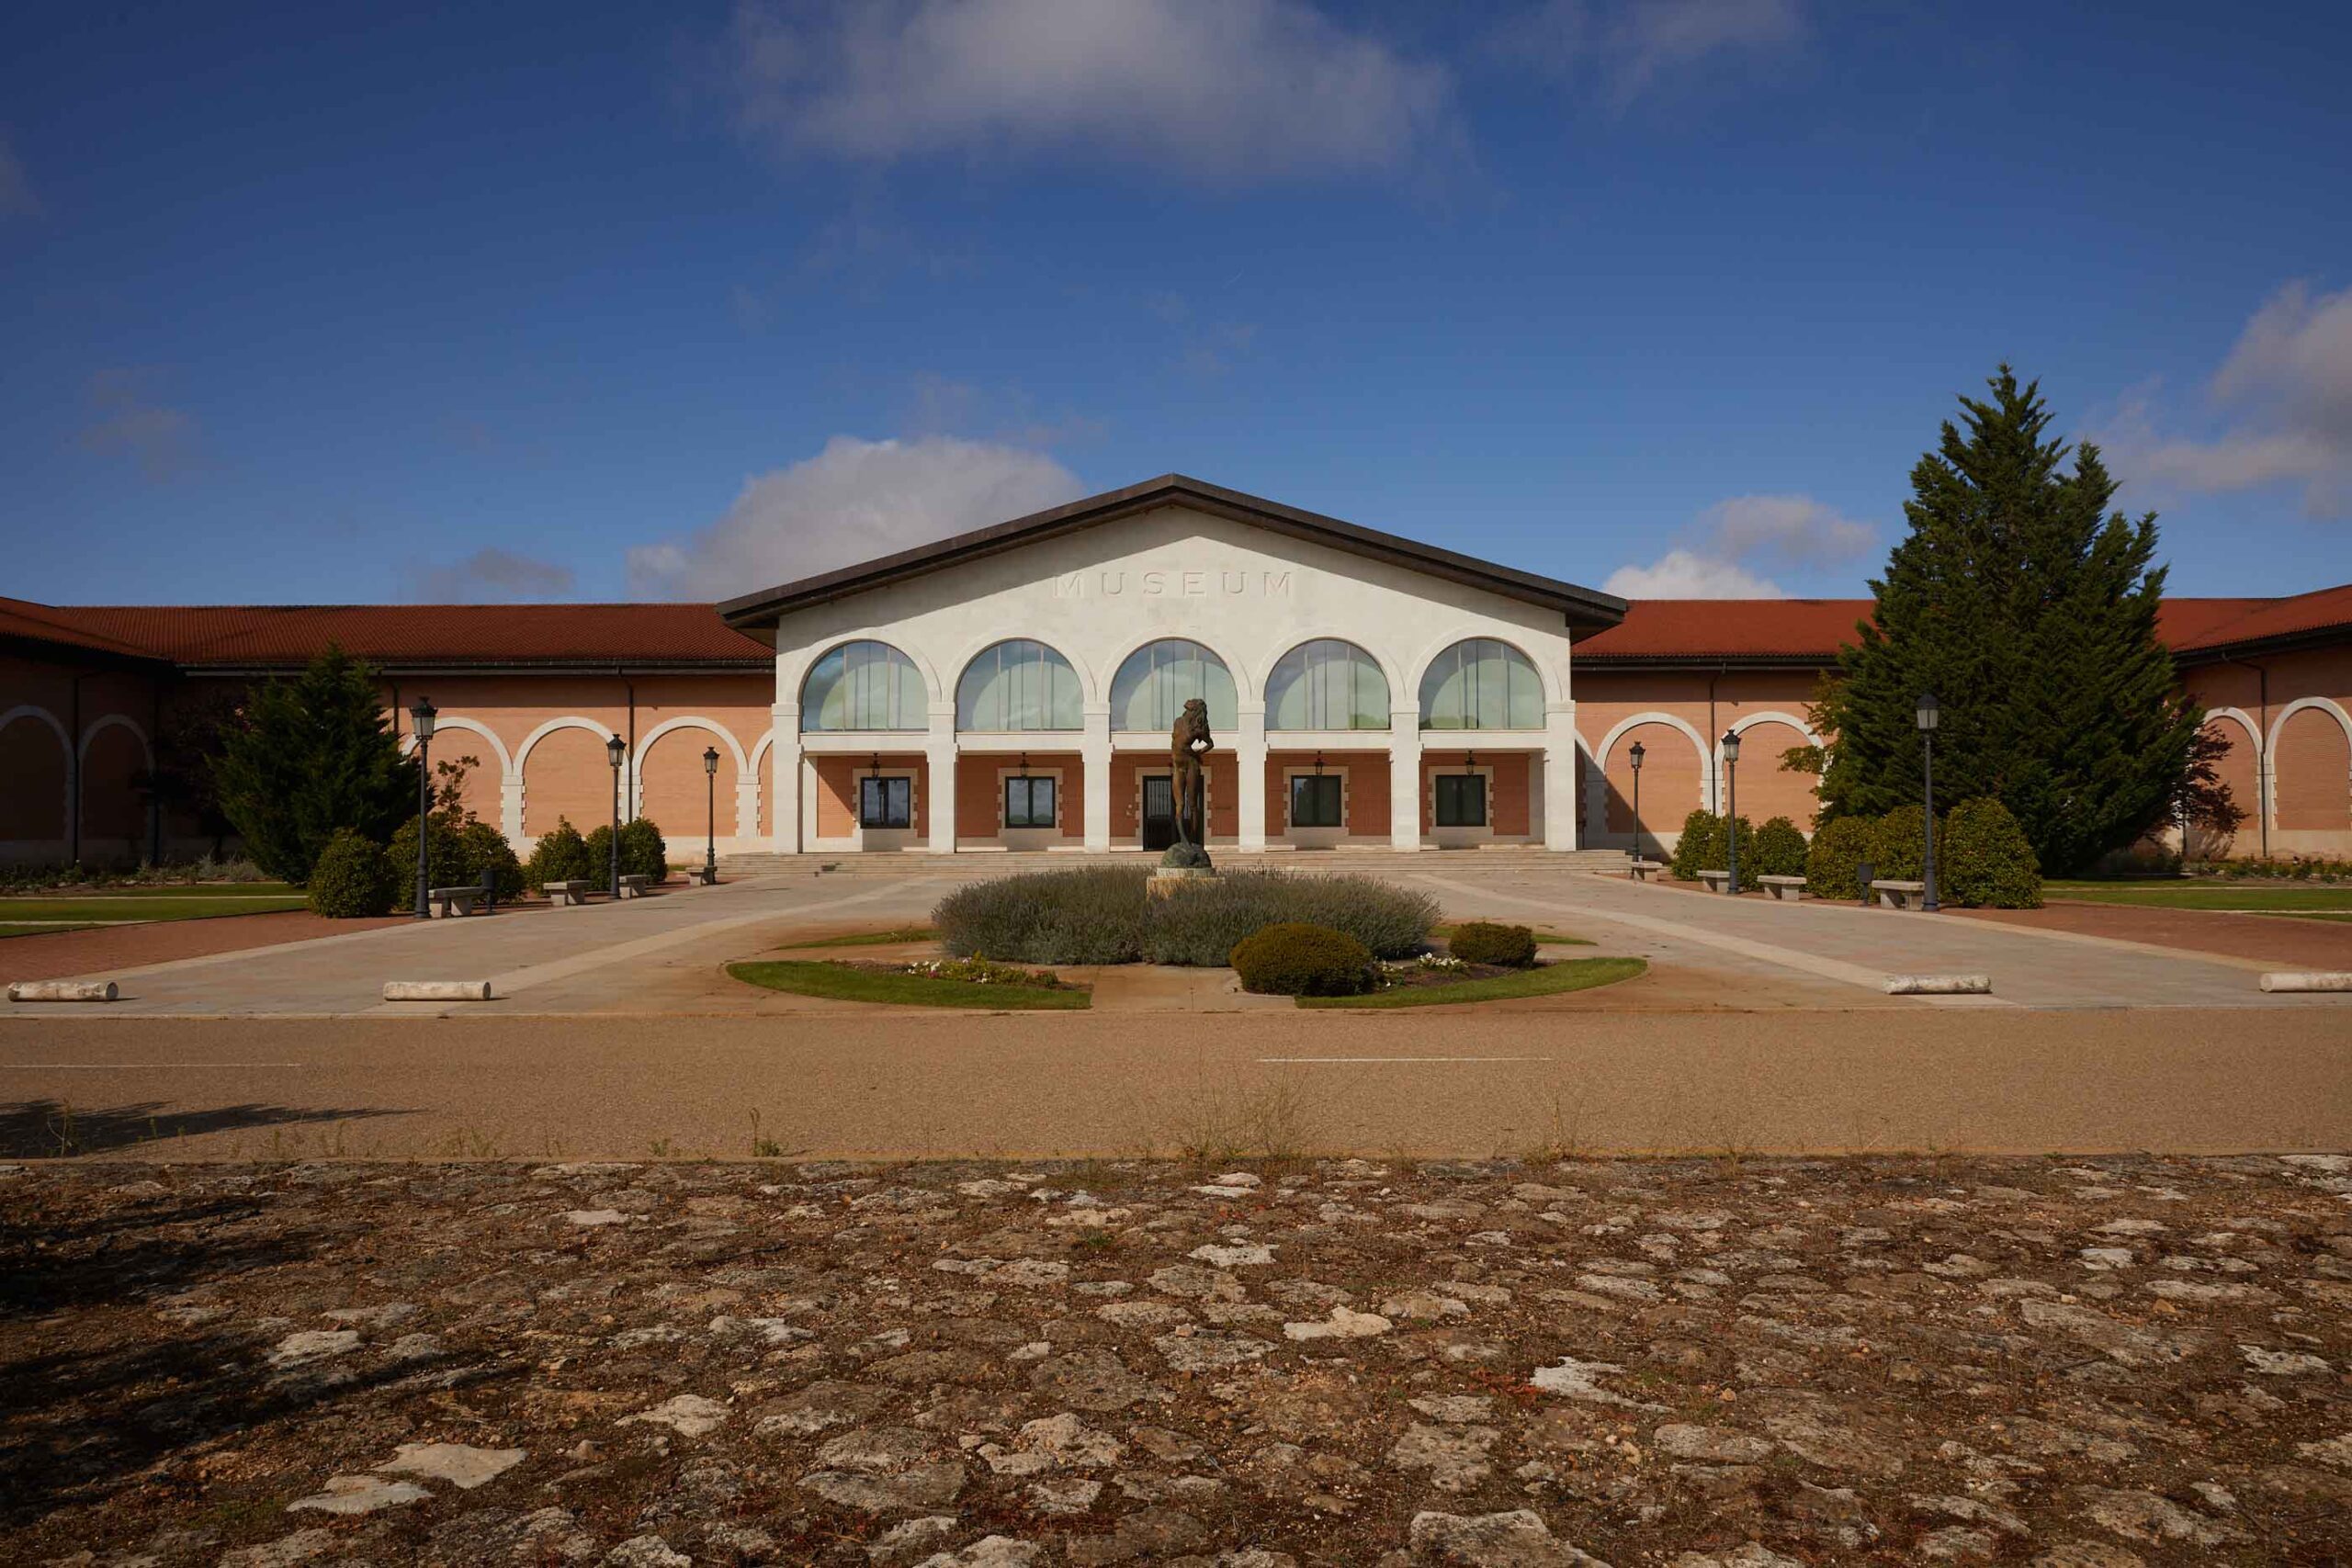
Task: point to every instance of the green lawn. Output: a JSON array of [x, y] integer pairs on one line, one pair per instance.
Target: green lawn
[[872, 939], [144, 904], [809, 977], [1548, 980], [8, 930], [2198, 893]]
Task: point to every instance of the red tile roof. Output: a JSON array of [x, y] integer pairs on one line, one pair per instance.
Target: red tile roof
[[22, 620], [244, 637], [1679, 630], [2317, 612]]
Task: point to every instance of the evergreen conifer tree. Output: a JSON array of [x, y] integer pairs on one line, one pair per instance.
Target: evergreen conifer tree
[[2030, 611], [313, 755]]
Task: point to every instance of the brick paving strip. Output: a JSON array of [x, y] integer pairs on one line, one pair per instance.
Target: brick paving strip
[[1704, 1364]]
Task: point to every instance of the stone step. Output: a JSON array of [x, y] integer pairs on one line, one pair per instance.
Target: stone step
[[999, 862]]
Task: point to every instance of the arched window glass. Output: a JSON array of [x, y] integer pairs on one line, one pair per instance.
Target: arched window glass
[[1327, 685], [1018, 685], [863, 686], [1153, 685], [1481, 684]]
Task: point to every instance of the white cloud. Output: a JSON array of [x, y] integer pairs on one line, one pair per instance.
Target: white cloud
[[2285, 393], [1684, 574], [1730, 540], [127, 421], [1235, 90], [489, 576], [16, 198], [853, 501]]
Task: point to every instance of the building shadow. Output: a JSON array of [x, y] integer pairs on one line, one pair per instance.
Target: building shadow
[[53, 1128]]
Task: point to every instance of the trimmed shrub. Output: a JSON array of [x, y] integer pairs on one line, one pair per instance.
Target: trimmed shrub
[[445, 854], [1094, 915], [1201, 924], [1899, 844], [559, 856], [1299, 960], [352, 878], [1833, 861], [1489, 941], [1779, 850], [1985, 859], [1701, 847], [643, 852], [485, 849]]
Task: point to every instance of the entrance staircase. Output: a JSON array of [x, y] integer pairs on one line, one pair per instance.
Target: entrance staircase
[[1002, 862]]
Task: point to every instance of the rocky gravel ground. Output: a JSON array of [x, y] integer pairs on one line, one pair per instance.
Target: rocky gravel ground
[[1708, 1364]]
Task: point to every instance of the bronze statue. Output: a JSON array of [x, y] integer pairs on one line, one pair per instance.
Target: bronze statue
[[1189, 744]]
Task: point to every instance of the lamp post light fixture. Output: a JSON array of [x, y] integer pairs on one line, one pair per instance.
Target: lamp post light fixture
[[1928, 716], [615, 749], [1731, 807], [710, 797], [1635, 756], [421, 714]]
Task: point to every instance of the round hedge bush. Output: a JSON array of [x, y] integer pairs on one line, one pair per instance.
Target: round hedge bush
[[445, 854], [351, 878], [1490, 942], [1295, 960], [1899, 845], [561, 856], [1984, 860], [486, 850], [1833, 861], [1700, 848], [1778, 850]]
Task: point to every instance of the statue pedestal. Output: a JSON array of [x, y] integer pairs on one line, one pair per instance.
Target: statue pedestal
[[1170, 881]]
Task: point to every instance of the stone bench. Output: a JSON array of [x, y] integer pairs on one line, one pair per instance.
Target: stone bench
[[1716, 880], [447, 902], [1784, 889], [636, 885], [1899, 895], [565, 895], [1643, 870]]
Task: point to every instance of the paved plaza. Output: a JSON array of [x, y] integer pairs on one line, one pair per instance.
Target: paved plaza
[[615, 1033]]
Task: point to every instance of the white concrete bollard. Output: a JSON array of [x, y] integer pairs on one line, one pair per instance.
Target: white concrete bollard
[[436, 991], [62, 991], [1939, 985], [2308, 980]]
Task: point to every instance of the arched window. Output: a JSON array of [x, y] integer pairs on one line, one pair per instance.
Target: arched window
[[1018, 685], [863, 686], [1327, 685], [1480, 684], [1159, 678]]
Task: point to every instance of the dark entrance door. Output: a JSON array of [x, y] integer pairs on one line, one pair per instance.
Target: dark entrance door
[[1158, 812]]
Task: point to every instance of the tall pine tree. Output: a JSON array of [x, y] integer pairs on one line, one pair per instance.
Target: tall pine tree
[[313, 755], [2030, 611]]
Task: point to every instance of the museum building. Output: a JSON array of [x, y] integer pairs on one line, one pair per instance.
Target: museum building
[[1014, 688]]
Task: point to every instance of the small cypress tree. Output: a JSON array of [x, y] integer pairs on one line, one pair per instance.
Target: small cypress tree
[[313, 755], [2030, 611]]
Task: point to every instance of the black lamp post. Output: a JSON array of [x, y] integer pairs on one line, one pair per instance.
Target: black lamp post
[[422, 714], [1731, 807], [710, 787], [1928, 719], [615, 749], [1635, 756]]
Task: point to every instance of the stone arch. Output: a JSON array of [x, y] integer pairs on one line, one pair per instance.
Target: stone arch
[[2239, 768], [2311, 767], [1766, 789], [925, 676], [566, 774], [1088, 683], [1555, 689], [108, 769], [1244, 685], [670, 786], [484, 798], [36, 783], [1674, 781]]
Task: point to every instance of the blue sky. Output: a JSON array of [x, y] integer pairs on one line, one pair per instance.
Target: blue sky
[[570, 301]]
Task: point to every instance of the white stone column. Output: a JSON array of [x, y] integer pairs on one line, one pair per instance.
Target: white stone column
[[1405, 778], [784, 769], [1250, 758], [510, 810], [1094, 752], [1596, 805], [939, 777], [1560, 776], [747, 806]]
